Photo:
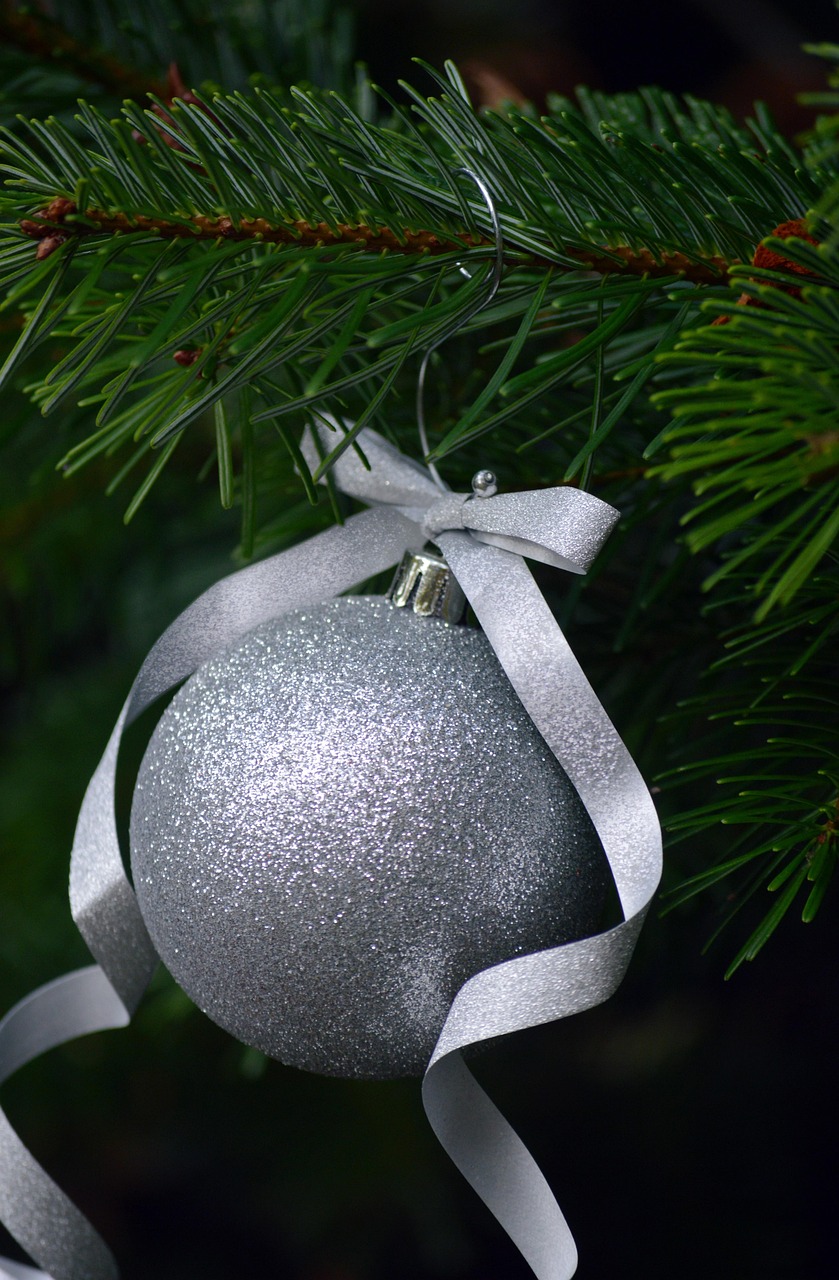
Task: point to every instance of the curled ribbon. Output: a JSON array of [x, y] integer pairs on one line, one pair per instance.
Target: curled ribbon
[[483, 540]]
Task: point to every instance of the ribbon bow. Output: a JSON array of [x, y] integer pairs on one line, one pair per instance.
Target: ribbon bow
[[483, 540], [562, 527]]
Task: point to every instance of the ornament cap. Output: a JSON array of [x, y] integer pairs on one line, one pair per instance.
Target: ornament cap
[[425, 583]]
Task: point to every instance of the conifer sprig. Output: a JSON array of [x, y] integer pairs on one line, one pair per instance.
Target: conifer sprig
[[310, 170], [758, 439], [778, 790]]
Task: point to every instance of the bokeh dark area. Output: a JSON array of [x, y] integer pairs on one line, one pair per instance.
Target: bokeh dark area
[[730, 51], [688, 1127]]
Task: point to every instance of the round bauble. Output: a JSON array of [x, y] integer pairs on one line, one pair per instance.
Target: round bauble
[[339, 821]]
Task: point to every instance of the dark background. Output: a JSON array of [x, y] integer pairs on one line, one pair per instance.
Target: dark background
[[688, 1127], [730, 51]]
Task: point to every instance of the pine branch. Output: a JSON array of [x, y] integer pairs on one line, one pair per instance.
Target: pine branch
[[60, 221], [309, 174], [775, 697], [759, 441], [258, 157], [759, 446]]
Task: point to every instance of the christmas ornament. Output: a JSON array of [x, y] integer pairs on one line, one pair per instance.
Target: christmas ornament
[[339, 821], [483, 537]]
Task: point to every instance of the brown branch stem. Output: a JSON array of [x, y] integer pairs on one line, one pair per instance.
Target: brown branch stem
[[60, 220]]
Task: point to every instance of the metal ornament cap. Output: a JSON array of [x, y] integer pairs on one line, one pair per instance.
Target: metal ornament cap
[[426, 584], [342, 819]]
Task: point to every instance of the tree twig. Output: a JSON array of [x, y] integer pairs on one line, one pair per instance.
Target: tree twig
[[60, 220]]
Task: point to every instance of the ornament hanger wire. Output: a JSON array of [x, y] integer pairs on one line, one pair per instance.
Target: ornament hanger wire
[[494, 281]]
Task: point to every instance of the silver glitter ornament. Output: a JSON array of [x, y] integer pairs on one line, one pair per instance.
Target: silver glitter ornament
[[341, 820]]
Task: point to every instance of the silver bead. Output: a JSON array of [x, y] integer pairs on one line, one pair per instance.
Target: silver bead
[[484, 484]]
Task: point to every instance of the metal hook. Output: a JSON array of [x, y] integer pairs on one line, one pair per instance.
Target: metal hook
[[495, 280]]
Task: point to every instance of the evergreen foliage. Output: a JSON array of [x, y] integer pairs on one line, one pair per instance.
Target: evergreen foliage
[[207, 268]]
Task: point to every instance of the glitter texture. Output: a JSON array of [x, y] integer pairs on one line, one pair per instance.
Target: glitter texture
[[341, 820]]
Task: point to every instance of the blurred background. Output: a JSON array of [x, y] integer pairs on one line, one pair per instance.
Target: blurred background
[[688, 1127]]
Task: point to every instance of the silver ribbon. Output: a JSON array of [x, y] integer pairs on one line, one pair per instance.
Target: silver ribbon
[[483, 540]]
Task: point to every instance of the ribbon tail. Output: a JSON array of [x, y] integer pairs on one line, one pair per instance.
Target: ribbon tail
[[520, 993], [497, 1164], [36, 1211]]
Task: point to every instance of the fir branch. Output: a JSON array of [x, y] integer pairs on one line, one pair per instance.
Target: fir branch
[[247, 185], [758, 441], [308, 175], [771, 701], [265, 174], [60, 220], [255, 157]]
